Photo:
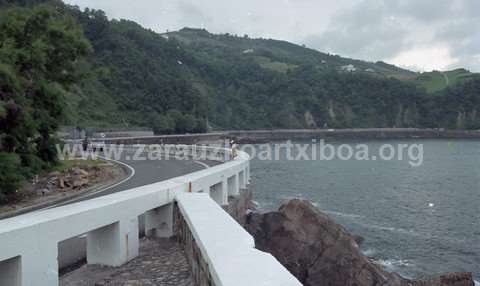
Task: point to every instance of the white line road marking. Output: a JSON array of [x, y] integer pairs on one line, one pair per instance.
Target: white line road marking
[[202, 164], [132, 173]]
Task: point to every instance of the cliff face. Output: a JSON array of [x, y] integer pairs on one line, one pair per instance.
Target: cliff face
[[319, 251]]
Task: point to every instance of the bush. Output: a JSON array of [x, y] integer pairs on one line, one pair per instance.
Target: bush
[[185, 123], [10, 176], [163, 124]]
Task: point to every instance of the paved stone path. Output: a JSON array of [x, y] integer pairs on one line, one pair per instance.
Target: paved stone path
[[161, 263]]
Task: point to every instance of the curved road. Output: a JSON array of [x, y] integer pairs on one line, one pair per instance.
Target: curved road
[[145, 172]]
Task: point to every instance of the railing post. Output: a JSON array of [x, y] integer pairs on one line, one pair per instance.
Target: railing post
[[233, 185], [39, 266], [224, 192], [242, 179], [219, 192], [115, 244], [159, 222]]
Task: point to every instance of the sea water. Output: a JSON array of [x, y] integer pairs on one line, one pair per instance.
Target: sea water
[[416, 221]]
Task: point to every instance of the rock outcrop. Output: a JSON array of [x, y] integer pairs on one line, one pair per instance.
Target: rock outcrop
[[320, 252], [452, 279], [240, 206]]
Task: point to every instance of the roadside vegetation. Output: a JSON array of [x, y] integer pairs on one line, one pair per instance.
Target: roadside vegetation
[[39, 52]]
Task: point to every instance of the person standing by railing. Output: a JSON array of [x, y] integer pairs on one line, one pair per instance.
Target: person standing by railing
[[233, 149]]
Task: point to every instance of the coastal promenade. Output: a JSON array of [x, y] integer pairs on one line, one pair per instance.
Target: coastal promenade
[[160, 262], [218, 250]]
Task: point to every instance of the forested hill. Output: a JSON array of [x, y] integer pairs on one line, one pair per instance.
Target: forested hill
[[191, 80], [280, 56], [180, 81]]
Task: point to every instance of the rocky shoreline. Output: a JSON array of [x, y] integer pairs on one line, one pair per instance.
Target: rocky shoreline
[[318, 251]]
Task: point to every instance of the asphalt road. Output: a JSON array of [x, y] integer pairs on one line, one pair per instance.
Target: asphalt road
[[145, 172]]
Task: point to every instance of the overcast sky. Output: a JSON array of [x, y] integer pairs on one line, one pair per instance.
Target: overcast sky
[[417, 34]]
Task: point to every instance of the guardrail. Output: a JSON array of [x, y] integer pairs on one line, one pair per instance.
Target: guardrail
[[29, 243]]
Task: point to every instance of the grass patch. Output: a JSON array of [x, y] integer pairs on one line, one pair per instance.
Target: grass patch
[[268, 64], [438, 81], [63, 166]]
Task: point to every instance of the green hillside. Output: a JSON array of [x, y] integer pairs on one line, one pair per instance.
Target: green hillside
[[437, 81], [281, 55], [184, 80]]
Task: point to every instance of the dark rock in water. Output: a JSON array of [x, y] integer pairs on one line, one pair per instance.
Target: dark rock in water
[[452, 279], [320, 252], [239, 206], [358, 239], [314, 248]]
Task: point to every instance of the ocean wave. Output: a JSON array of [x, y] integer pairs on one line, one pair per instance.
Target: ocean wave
[[340, 214], [392, 229], [393, 264], [369, 252], [476, 283]]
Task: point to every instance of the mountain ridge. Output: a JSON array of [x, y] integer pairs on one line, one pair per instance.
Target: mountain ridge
[[292, 52]]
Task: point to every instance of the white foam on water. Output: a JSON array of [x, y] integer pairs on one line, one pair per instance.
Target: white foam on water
[[340, 214], [476, 283], [393, 264], [392, 229], [369, 252]]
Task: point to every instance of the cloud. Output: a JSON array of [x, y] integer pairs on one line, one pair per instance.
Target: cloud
[[192, 16], [429, 34], [426, 11], [363, 31], [462, 35]]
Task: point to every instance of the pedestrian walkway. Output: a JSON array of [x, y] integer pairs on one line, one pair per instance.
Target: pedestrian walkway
[[161, 262]]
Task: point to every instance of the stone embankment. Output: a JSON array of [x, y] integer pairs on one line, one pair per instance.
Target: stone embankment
[[319, 251]]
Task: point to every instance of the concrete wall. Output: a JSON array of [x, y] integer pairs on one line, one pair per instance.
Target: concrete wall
[[259, 136], [220, 251], [188, 139], [198, 265]]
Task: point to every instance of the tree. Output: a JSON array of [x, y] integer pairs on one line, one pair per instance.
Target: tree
[[10, 176], [39, 53]]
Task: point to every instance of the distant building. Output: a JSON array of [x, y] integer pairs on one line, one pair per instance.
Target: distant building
[[370, 70], [166, 37], [249, 51], [349, 68]]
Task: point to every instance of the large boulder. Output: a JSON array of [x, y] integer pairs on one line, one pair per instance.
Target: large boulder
[[240, 206], [451, 279], [320, 252]]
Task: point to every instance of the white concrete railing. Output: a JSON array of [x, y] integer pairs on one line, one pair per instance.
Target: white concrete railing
[[29, 243], [227, 249]]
